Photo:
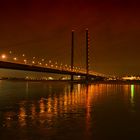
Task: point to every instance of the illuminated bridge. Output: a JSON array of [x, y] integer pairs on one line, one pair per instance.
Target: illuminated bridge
[[9, 61], [37, 68]]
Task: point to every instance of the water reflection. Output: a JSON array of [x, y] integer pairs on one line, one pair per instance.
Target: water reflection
[[33, 111], [8, 119], [132, 94], [70, 101], [80, 109], [88, 108], [22, 116]]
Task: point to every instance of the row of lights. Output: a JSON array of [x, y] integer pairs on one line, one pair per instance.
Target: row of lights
[[65, 67]]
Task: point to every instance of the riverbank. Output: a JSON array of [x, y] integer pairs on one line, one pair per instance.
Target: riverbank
[[78, 81]]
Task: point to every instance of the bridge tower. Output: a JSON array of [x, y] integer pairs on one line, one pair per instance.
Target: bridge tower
[[87, 54], [72, 53]]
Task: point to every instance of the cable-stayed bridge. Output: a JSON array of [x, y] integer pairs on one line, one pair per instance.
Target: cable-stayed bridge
[[8, 61]]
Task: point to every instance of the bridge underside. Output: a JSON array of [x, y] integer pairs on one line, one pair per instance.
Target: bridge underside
[[34, 68]]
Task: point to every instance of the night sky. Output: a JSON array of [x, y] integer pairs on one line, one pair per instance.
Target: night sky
[[43, 28]]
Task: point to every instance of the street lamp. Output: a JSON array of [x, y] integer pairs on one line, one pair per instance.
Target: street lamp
[[3, 56], [15, 58], [25, 61]]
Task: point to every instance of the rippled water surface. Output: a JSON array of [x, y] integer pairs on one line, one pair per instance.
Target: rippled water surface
[[62, 111]]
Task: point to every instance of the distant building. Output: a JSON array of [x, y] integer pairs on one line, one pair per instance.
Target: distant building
[[131, 78]]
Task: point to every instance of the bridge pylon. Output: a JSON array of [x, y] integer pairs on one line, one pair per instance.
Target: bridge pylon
[[72, 54], [87, 54]]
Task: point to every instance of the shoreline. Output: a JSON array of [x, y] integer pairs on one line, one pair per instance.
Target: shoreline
[[77, 81]]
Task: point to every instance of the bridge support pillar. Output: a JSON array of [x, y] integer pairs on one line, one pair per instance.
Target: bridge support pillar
[[87, 55], [72, 54]]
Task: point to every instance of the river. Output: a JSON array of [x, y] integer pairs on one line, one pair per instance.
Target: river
[[65, 111]]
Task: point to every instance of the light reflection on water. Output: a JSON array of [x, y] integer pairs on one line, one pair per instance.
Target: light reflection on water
[[31, 110], [132, 94]]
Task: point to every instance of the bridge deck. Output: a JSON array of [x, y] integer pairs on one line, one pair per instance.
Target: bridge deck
[[25, 67]]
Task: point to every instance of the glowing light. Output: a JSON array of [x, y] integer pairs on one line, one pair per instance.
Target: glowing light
[[132, 91], [25, 61], [129, 78], [39, 63], [50, 78], [10, 52], [3, 56], [33, 62], [23, 55], [22, 116], [42, 106], [15, 58], [26, 77]]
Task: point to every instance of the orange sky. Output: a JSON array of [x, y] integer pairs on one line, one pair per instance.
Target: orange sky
[[43, 28]]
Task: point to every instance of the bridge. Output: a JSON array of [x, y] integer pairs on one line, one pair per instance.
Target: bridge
[[11, 62]]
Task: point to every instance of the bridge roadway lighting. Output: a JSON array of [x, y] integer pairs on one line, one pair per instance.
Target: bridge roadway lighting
[[39, 63], [3, 56], [15, 58], [69, 67], [10, 52], [25, 61]]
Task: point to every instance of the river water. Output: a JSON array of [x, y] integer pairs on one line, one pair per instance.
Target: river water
[[62, 111]]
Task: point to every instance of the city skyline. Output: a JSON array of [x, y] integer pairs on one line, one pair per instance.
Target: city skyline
[[43, 28]]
